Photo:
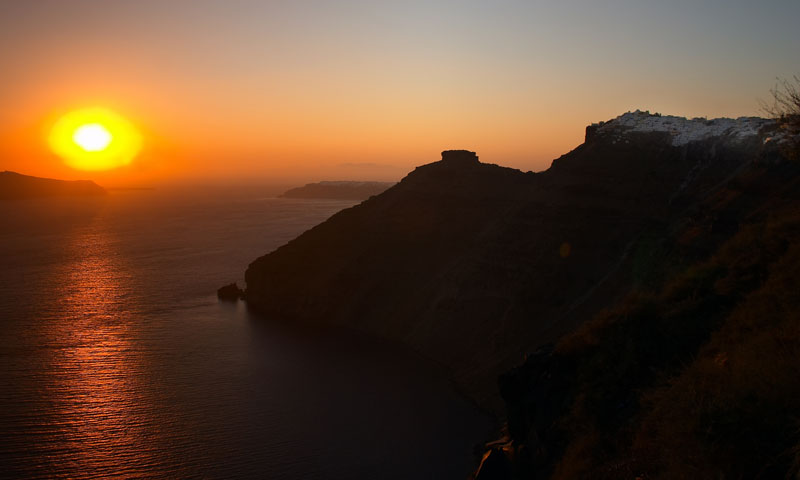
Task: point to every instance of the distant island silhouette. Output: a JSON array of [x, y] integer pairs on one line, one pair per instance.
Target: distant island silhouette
[[608, 294], [340, 190], [14, 186]]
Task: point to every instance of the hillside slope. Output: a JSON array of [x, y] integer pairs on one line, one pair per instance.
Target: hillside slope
[[695, 377]]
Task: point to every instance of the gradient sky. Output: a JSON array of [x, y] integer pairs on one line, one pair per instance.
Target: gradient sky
[[313, 90]]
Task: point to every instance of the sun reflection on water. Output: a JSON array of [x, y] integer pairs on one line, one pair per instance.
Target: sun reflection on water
[[117, 361], [96, 365]]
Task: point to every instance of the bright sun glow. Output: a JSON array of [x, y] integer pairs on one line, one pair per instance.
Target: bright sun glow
[[94, 139]]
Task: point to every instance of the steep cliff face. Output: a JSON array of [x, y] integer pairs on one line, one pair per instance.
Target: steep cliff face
[[475, 265]]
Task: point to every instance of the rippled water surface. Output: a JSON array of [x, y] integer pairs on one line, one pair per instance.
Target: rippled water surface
[[117, 360]]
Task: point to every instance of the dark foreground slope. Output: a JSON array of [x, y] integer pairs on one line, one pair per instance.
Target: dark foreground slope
[[17, 186], [693, 376], [476, 265]]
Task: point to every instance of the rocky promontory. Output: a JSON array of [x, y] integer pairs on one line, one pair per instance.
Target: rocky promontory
[[637, 300], [475, 265]]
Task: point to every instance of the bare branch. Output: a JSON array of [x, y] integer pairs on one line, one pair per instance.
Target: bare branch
[[785, 106]]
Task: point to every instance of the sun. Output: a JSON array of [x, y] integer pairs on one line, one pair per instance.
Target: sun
[[94, 139]]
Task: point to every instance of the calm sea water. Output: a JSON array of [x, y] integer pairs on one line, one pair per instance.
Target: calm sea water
[[116, 360]]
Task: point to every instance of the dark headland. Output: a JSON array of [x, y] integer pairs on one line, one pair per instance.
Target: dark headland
[[637, 300], [17, 186], [339, 190]]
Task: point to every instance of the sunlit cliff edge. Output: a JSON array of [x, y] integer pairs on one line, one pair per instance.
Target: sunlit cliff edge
[[591, 289], [17, 186]]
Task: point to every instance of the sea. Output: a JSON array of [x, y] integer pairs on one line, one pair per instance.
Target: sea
[[118, 361]]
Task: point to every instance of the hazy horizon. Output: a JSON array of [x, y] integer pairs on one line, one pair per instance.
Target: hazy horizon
[[296, 91]]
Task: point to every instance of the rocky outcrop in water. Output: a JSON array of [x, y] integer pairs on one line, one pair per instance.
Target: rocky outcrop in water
[[230, 292], [15, 186]]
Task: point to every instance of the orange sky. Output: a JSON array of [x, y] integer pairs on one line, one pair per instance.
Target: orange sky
[[311, 90]]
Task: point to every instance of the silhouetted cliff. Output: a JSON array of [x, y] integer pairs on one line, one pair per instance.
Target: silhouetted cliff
[[643, 289], [475, 265], [338, 190], [17, 186]]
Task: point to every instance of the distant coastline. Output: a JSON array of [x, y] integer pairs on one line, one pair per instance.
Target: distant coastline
[[130, 189], [339, 190], [16, 186]]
